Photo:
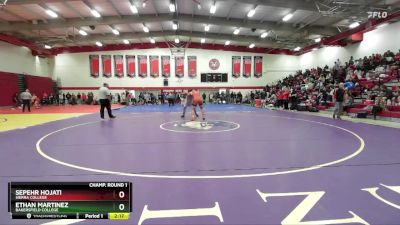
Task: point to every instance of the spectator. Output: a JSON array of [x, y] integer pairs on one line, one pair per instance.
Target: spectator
[[68, 96], [79, 98], [51, 99], [171, 99], [84, 98], [17, 100], [379, 106], [338, 99], [73, 100], [285, 98]]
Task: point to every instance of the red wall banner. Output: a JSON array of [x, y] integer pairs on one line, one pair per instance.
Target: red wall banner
[[119, 65], [179, 66], [192, 66], [166, 66], [246, 66], [142, 60], [258, 66], [130, 65], [236, 61], [94, 65], [154, 68], [106, 60]]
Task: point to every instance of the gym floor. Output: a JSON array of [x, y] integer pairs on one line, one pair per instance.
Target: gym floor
[[242, 166]]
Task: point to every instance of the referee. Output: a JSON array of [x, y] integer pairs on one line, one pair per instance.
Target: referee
[[105, 101], [26, 100]]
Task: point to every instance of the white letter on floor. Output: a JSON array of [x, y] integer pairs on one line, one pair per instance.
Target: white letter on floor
[[297, 215], [152, 214], [373, 191]]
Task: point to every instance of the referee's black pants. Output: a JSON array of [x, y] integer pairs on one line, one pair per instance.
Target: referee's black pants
[[26, 103], [105, 103]]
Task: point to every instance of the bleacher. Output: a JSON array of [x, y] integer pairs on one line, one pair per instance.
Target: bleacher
[[12, 83], [387, 75]]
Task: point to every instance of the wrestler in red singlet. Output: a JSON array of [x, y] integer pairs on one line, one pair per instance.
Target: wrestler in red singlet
[[197, 101]]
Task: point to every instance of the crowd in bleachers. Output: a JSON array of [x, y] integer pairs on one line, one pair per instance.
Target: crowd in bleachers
[[315, 88]]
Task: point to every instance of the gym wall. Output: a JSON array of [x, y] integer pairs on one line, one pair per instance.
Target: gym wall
[[73, 70], [376, 41], [19, 60]]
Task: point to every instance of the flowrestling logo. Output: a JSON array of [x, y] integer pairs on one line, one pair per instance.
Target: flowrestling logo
[[377, 15]]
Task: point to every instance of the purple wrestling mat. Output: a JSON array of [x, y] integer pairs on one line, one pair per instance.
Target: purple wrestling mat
[[262, 167]]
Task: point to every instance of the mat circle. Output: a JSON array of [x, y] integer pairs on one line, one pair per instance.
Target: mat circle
[[212, 126], [262, 174]]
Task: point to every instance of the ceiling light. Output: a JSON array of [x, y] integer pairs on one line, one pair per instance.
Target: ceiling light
[[297, 49], [174, 26], [199, 6], [82, 32], [252, 45], [145, 29], [134, 9], [213, 9], [126, 42], [236, 31], [177, 40], [203, 40], [115, 31], [98, 43], [227, 42], [264, 35], [317, 40], [47, 46], [251, 13], [171, 7], [207, 27], [354, 25], [144, 4], [287, 17], [95, 13], [152, 40], [51, 13]]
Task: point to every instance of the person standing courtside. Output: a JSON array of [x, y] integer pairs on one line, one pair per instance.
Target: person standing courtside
[[339, 98], [26, 100], [105, 101]]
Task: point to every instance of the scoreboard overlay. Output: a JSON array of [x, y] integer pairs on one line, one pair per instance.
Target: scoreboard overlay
[[70, 200]]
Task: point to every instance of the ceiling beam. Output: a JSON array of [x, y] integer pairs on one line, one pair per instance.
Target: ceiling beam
[[73, 10], [291, 4], [26, 2], [115, 8], [214, 36], [89, 21], [148, 18], [283, 27]]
